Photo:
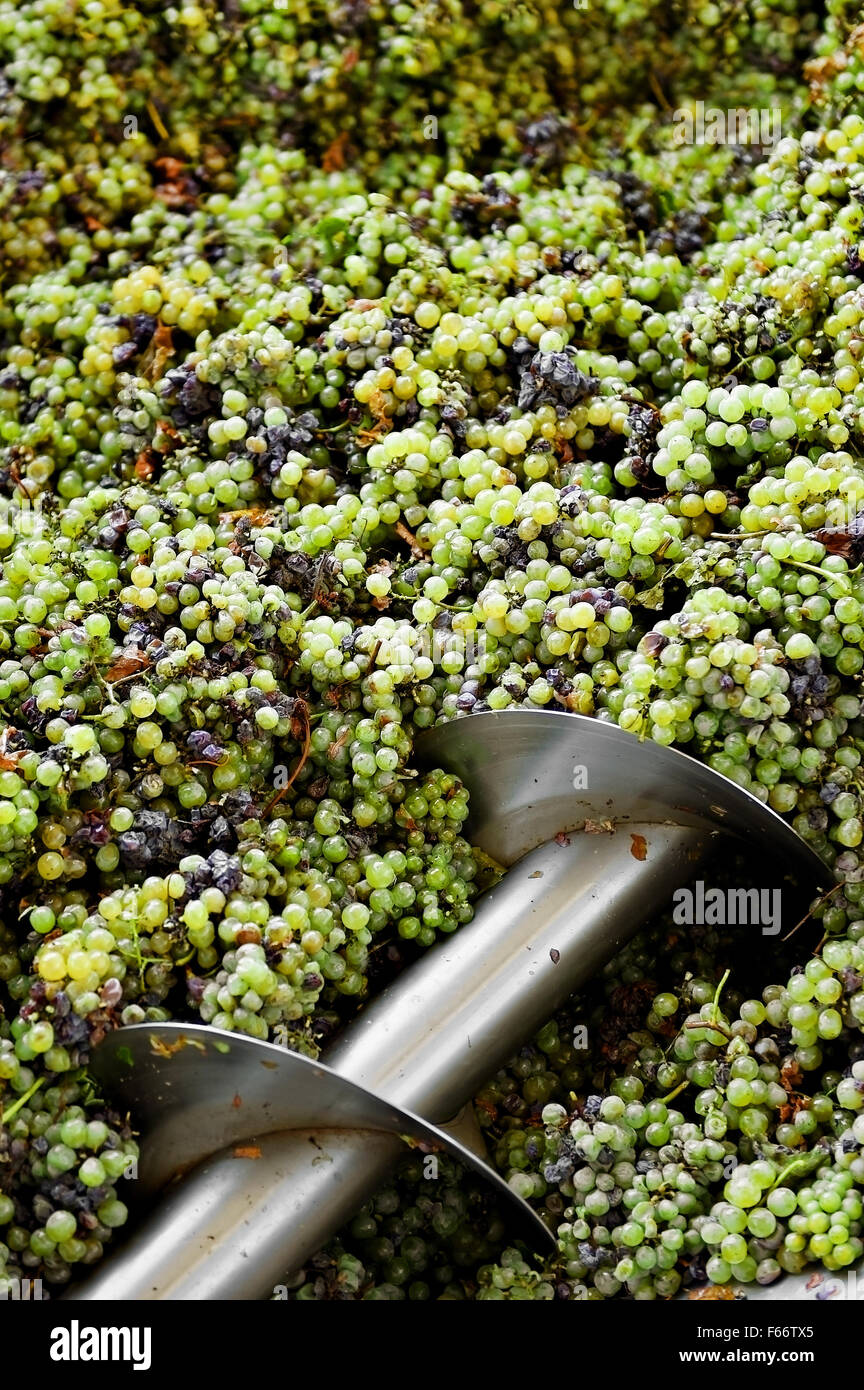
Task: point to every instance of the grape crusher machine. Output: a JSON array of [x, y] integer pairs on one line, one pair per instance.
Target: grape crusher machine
[[253, 1157]]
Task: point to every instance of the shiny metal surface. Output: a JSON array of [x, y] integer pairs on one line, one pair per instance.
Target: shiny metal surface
[[431, 1040], [444, 1027], [221, 1233], [195, 1091], [465, 1129], [518, 765], [817, 1286], [641, 825]]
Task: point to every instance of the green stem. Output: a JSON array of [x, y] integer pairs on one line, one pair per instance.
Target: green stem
[[716, 1004], [670, 1095], [711, 1028], [21, 1101], [738, 535], [791, 1168], [829, 575]]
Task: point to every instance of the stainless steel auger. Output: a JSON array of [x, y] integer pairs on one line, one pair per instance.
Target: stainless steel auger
[[597, 830]]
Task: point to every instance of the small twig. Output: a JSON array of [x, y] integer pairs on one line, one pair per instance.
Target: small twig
[[809, 913], [738, 535], [658, 91], [670, 1095], [711, 1027], [716, 1004], [307, 743], [22, 487], [417, 551], [157, 120]]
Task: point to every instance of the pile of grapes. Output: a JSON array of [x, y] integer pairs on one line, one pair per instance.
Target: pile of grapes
[[366, 364]]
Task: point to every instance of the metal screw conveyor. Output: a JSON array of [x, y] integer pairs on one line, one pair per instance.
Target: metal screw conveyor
[[326, 1134]]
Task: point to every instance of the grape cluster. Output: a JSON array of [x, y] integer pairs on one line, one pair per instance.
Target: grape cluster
[[422, 1237], [753, 1171], [60, 1163]]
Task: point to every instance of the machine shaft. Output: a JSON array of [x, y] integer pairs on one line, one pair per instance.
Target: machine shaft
[[234, 1229]]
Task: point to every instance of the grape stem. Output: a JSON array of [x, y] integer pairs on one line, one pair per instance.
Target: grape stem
[[828, 575], [21, 1101], [307, 743], [833, 577], [738, 535], [809, 914], [790, 1169], [716, 1004], [670, 1095], [710, 1027]]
